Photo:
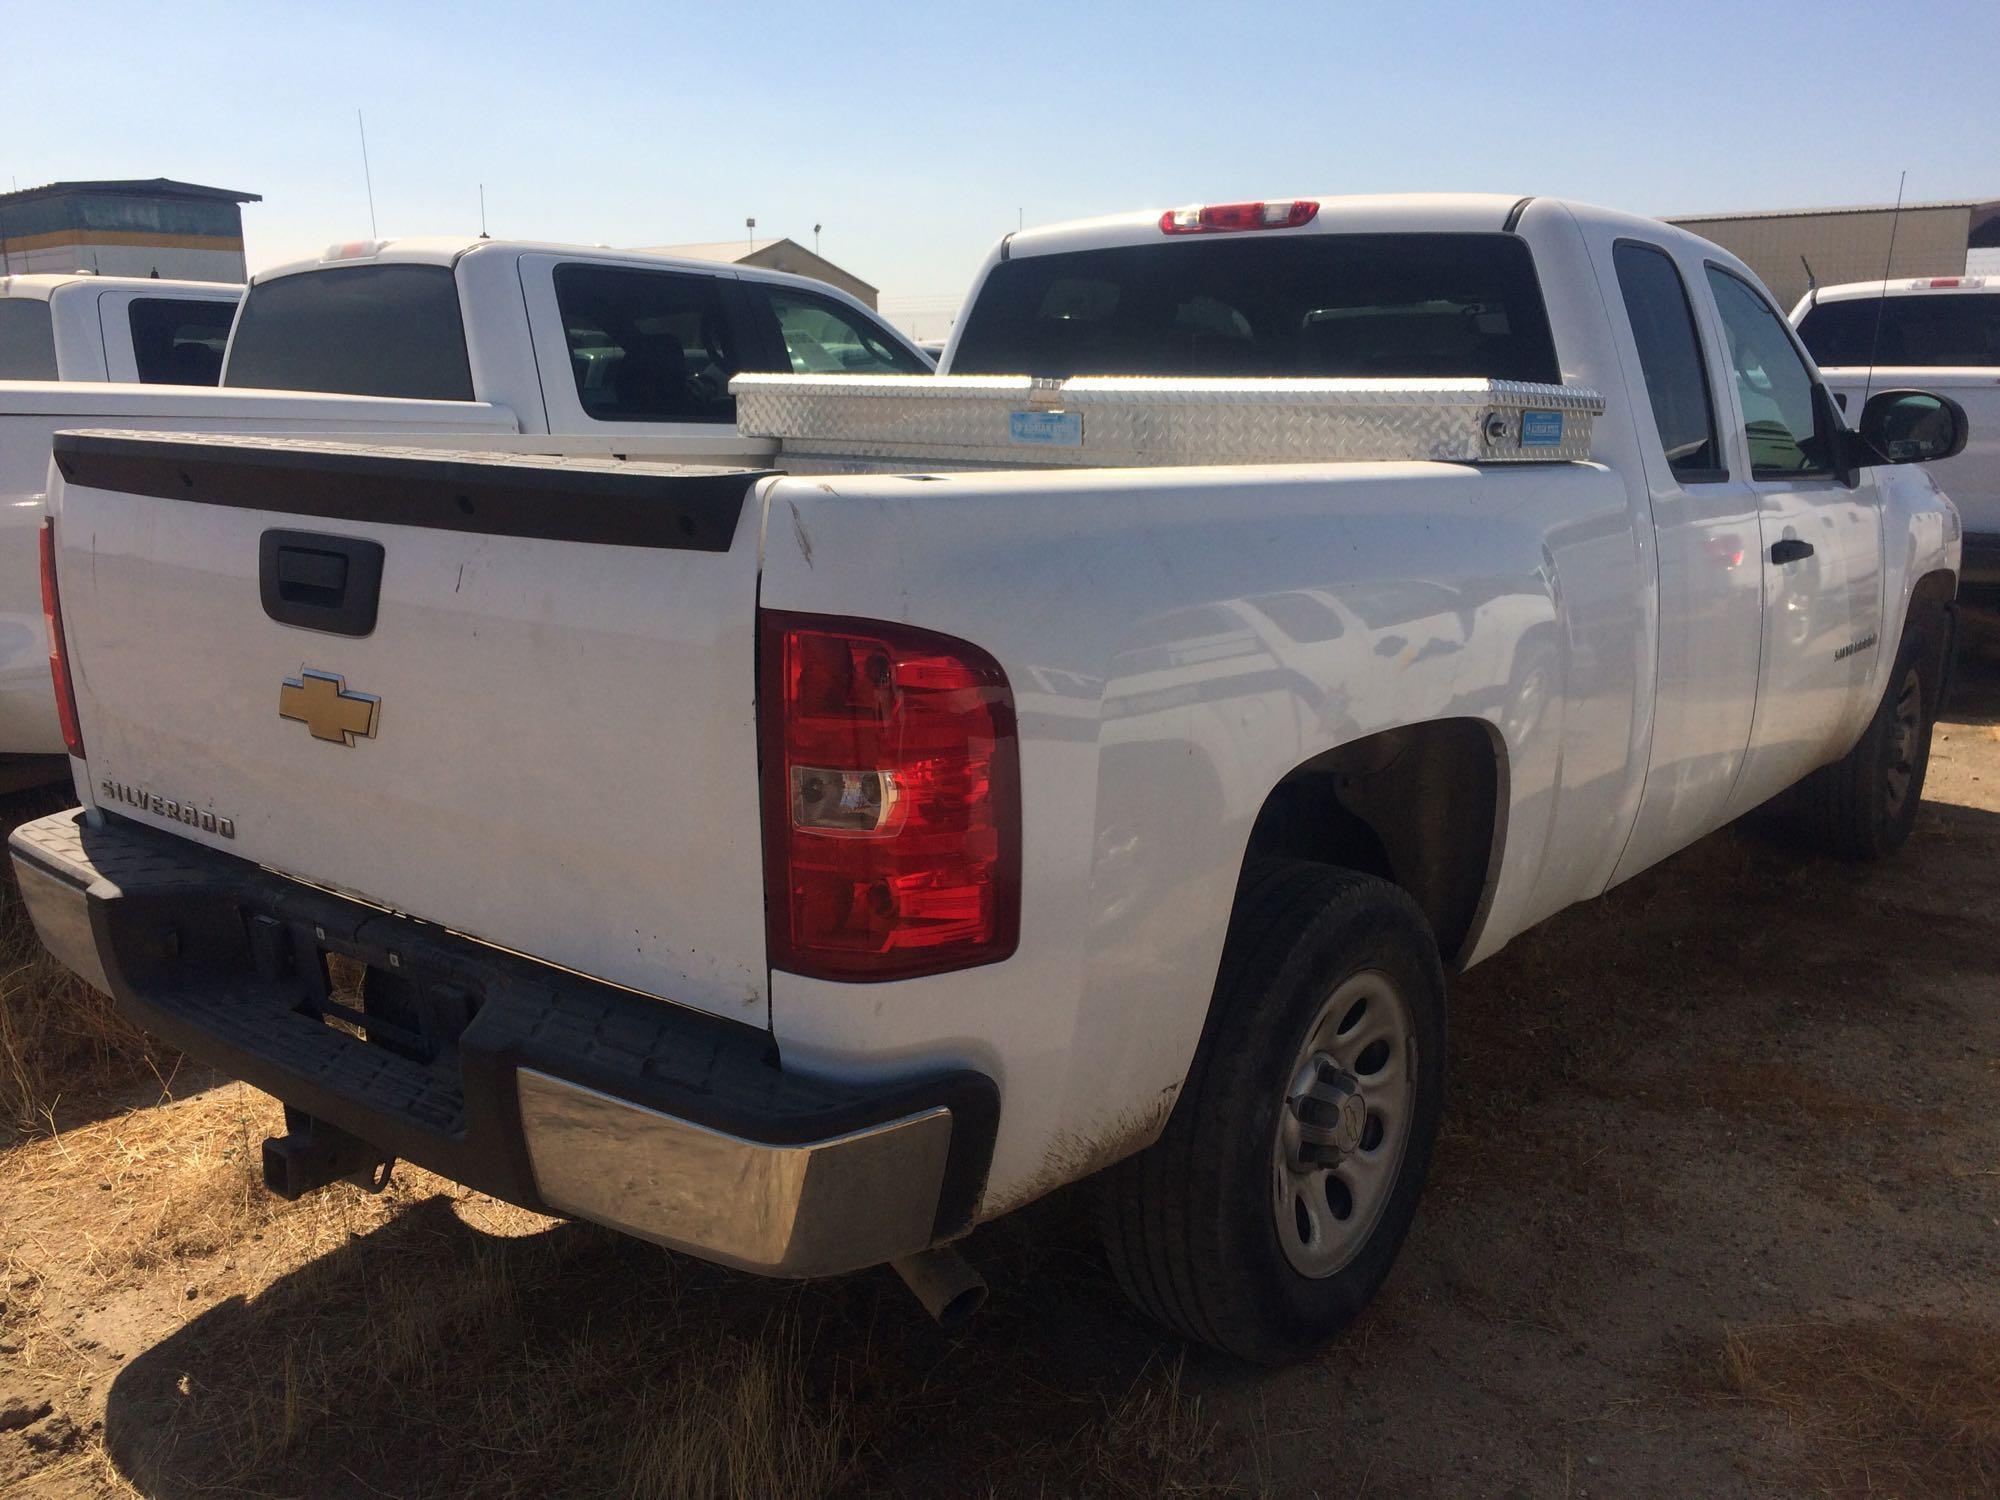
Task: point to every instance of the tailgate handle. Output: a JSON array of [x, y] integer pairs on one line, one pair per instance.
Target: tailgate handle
[[320, 582]]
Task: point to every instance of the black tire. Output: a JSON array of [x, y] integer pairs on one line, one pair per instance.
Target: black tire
[[1864, 805], [1190, 1223]]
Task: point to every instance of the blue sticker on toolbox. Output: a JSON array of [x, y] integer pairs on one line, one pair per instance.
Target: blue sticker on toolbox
[[1541, 429], [1050, 429]]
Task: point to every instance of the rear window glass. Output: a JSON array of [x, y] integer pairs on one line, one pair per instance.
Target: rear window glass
[[1387, 305], [180, 342], [27, 340], [647, 346], [354, 330], [1941, 329]]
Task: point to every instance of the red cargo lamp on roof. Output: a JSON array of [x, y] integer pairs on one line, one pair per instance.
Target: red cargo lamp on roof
[[1218, 218]]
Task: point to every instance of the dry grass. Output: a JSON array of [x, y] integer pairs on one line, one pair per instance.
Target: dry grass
[[1908, 1408]]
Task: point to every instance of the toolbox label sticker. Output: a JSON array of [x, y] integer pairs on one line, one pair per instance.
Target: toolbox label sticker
[[1047, 429], [1541, 429]]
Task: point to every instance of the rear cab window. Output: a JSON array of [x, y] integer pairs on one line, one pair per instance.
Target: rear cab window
[[27, 339], [180, 341], [368, 330], [1939, 329], [1381, 305]]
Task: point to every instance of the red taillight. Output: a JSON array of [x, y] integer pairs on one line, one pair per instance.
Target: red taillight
[[58, 659], [892, 826], [1216, 218]]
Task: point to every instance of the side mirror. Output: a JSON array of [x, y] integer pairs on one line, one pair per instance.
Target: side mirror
[[1911, 427]]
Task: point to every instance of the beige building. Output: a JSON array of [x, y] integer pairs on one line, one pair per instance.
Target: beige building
[[1850, 244], [130, 227], [774, 255]]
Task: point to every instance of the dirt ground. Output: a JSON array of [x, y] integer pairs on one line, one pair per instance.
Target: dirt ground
[[1717, 1213]]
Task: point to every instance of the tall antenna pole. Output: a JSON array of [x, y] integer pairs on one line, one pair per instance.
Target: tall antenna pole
[[482, 212], [1882, 297], [366, 178], [816, 229]]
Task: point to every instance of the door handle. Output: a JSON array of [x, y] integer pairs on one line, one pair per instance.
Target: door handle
[[1790, 550]]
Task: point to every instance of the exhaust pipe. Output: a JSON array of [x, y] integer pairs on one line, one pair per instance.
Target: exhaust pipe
[[944, 1281]]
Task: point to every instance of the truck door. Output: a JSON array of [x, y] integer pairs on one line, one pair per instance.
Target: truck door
[[1705, 527], [1821, 549]]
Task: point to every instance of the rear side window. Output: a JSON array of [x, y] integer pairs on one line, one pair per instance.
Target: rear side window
[[1656, 303], [822, 337], [180, 342], [27, 340], [647, 346], [1944, 328], [354, 330], [1386, 305]]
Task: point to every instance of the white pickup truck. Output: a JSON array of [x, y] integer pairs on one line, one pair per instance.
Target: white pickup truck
[[418, 337], [1010, 777], [125, 328], [1941, 333]]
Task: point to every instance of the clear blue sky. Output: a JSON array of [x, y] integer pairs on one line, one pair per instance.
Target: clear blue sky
[[914, 134]]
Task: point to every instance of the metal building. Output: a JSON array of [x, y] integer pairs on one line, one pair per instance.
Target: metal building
[[150, 227], [774, 255], [1852, 244]]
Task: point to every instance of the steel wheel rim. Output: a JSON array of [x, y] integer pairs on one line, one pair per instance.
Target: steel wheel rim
[[1344, 1124], [1903, 737]]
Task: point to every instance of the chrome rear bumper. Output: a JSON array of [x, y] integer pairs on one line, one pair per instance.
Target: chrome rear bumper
[[530, 1083]]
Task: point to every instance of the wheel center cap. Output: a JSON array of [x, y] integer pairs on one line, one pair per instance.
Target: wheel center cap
[[1331, 1113]]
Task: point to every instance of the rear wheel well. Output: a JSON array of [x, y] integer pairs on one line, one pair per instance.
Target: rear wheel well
[[1418, 806]]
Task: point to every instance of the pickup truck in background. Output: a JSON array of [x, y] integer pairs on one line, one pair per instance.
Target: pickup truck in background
[[1087, 763], [407, 337], [120, 328], [1940, 333]]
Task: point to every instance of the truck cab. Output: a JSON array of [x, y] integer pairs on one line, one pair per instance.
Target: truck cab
[[1937, 333], [114, 328], [575, 340]]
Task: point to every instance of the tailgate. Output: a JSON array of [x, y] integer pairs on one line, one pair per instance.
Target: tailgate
[[545, 738]]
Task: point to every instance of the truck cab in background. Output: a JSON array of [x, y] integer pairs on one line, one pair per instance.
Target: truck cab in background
[[575, 341], [114, 328], [1938, 334]]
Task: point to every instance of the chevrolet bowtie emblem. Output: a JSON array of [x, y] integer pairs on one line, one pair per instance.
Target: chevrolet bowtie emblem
[[321, 702]]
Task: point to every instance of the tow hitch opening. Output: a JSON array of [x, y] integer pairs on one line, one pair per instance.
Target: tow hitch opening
[[313, 1154]]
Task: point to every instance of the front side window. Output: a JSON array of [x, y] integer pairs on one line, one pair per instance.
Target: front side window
[[823, 338], [178, 341], [1780, 414], [647, 346], [27, 339], [1656, 303], [1385, 305], [369, 330]]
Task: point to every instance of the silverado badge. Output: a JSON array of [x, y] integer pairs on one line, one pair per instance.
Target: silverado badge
[[321, 701]]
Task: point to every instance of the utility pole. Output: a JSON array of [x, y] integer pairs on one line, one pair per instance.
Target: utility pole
[[749, 233], [816, 229]]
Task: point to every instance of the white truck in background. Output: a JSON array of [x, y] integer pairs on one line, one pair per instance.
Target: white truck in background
[[1939, 333], [998, 779], [118, 328], [403, 338]]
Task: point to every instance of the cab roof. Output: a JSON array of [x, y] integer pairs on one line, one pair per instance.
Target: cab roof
[[1906, 286], [41, 285]]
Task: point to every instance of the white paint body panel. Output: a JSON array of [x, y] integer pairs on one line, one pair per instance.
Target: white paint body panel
[[32, 413], [571, 705]]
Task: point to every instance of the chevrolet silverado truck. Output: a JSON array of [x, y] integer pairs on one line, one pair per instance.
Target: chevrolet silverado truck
[[1938, 332], [123, 328], [406, 337], [1086, 764]]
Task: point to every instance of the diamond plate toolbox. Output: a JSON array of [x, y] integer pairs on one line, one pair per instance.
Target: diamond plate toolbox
[[1120, 421]]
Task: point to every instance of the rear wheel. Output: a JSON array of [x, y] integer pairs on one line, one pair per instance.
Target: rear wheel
[[1272, 1207], [1864, 805]]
